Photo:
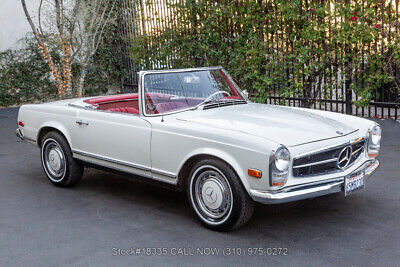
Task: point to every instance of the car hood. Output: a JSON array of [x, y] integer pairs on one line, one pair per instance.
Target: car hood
[[285, 125]]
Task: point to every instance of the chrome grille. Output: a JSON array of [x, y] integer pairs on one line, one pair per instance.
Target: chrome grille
[[325, 161]]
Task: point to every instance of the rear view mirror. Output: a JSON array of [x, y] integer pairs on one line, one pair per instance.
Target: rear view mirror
[[191, 79]]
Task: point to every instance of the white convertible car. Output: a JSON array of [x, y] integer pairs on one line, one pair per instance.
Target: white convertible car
[[193, 129]]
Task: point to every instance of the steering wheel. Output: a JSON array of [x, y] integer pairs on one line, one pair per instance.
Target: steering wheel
[[214, 94]]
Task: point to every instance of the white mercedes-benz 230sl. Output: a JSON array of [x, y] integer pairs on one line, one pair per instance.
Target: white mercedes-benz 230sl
[[194, 130]]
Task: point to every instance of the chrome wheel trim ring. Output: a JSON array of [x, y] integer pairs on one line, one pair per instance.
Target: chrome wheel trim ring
[[216, 207], [53, 160]]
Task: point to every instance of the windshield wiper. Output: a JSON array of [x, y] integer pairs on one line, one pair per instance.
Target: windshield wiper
[[206, 102], [220, 101]]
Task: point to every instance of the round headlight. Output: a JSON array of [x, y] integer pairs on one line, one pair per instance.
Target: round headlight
[[282, 158], [374, 141], [376, 134]]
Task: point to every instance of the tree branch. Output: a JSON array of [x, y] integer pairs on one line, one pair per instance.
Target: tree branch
[[39, 16], [28, 17], [75, 14], [104, 25]]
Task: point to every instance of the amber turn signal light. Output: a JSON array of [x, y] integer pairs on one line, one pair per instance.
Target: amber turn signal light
[[254, 173]]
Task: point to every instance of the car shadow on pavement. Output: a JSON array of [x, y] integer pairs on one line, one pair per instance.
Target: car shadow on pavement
[[282, 218]]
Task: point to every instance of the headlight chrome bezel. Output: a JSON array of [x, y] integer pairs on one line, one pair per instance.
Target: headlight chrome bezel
[[373, 146], [278, 171]]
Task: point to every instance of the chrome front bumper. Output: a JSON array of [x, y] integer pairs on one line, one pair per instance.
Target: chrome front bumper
[[311, 190]]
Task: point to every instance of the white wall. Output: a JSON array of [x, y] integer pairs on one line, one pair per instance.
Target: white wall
[[13, 24]]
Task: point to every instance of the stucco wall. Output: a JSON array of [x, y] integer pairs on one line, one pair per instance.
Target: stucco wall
[[13, 24]]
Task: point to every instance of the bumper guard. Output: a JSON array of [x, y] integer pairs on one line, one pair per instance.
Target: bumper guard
[[19, 134]]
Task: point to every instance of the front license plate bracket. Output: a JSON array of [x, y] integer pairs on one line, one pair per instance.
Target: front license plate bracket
[[353, 182]]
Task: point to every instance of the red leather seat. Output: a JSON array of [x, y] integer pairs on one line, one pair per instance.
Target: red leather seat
[[125, 110], [169, 106], [110, 98]]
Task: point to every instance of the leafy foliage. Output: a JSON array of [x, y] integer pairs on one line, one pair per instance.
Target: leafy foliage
[[296, 48], [24, 76]]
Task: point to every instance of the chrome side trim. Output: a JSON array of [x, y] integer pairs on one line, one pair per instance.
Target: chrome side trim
[[136, 169], [163, 173], [112, 160], [315, 163], [29, 139]]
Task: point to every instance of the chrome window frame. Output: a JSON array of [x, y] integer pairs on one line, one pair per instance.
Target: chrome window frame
[[142, 74]]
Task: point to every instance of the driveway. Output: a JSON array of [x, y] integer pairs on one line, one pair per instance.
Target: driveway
[[106, 215]]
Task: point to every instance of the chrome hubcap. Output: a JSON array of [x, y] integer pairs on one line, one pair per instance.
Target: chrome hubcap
[[212, 194], [54, 160]]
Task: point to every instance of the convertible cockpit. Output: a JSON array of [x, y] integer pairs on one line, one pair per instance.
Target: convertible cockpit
[[166, 92]]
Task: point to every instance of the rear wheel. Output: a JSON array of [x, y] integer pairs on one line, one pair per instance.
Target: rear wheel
[[57, 161], [217, 196]]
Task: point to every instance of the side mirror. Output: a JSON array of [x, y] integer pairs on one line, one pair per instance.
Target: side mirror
[[245, 93]]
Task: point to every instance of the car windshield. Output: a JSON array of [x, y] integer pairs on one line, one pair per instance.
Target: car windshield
[[171, 91]]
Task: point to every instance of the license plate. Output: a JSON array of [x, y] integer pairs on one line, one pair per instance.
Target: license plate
[[353, 183]]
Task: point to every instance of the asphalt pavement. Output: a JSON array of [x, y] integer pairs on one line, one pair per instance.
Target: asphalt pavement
[[107, 215]]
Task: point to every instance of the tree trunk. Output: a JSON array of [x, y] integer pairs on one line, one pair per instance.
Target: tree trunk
[[44, 51], [82, 80]]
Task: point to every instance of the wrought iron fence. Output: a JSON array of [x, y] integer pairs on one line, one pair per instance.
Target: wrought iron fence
[[139, 17]]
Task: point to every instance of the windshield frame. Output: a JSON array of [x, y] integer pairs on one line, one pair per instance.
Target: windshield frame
[[142, 93]]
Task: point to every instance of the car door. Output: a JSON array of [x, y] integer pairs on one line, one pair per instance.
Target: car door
[[116, 140]]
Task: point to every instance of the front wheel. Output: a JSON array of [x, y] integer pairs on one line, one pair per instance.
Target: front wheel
[[217, 196], [57, 161]]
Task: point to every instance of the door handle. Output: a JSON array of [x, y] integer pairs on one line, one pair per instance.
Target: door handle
[[80, 122]]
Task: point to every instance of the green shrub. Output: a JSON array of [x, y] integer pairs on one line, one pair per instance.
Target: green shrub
[[24, 76]]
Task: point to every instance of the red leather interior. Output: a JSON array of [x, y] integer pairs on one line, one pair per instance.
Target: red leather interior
[[129, 103], [125, 110], [134, 103], [169, 106], [111, 98]]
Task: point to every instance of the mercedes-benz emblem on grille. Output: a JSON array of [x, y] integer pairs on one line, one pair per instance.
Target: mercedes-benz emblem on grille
[[344, 157]]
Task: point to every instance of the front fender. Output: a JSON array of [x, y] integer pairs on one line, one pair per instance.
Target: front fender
[[223, 155]]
